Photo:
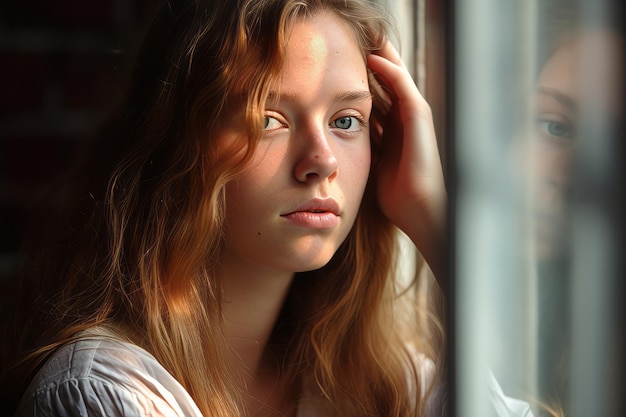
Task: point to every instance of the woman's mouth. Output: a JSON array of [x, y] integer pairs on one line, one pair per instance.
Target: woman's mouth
[[315, 214], [313, 219]]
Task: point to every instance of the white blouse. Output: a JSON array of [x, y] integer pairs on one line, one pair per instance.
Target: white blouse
[[101, 375]]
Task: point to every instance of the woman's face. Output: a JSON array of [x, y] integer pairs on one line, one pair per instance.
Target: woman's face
[[299, 197], [567, 84]]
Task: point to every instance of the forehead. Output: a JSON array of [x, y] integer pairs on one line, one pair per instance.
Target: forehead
[[588, 66], [322, 48], [322, 31]]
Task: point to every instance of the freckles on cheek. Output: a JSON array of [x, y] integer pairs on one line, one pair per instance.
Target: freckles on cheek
[[267, 159], [361, 167], [356, 178]]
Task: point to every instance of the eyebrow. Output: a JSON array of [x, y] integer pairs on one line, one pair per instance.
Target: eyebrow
[[563, 99], [338, 96]]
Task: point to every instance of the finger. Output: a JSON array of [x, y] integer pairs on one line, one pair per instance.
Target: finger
[[390, 52], [417, 134], [400, 85]]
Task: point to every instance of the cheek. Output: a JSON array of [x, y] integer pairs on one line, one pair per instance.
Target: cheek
[[247, 196], [245, 210], [261, 173], [550, 161], [357, 169], [269, 158], [365, 168]]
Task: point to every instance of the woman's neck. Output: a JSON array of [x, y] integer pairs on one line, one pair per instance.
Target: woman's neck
[[253, 297]]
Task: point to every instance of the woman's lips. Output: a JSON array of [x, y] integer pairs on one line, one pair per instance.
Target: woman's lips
[[316, 213], [313, 220]]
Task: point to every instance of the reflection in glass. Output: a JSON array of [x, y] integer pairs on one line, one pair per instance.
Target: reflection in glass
[[539, 122]]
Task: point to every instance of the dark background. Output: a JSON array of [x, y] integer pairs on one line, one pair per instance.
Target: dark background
[[63, 67]]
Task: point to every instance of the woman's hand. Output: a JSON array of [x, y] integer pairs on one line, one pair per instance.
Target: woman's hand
[[411, 189]]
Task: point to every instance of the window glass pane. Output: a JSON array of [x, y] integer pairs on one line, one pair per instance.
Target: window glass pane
[[539, 116]]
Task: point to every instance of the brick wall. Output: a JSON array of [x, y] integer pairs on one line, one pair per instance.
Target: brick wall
[[63, 64]]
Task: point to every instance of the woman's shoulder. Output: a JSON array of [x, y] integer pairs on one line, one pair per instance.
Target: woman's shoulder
[[101, 374]]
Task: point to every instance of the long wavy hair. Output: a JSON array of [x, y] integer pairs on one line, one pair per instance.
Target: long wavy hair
[[152, 224]]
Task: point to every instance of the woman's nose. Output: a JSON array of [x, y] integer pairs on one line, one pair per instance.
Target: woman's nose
[[316, 159]]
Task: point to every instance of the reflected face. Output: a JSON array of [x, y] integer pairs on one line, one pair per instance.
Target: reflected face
[[298, 199], [566, 85]]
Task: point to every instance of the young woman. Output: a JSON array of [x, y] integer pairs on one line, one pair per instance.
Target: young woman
[[239, 259]]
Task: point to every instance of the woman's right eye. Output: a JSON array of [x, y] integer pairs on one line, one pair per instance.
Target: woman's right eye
[[271, 123]]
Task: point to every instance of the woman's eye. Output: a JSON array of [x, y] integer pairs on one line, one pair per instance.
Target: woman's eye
[[270, 123], [349, 123], [555, 129]]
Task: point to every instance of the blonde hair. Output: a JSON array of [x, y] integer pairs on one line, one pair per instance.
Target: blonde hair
[[144, 262]]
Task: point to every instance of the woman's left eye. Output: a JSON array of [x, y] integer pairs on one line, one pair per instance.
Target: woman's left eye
[[349, 123], [555, 128]]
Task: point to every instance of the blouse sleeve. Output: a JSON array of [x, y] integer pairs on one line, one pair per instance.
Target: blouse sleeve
[[79, 397], [108, 378]]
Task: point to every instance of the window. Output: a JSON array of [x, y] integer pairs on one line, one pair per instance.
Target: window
[[538, 122], [528, 101]]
